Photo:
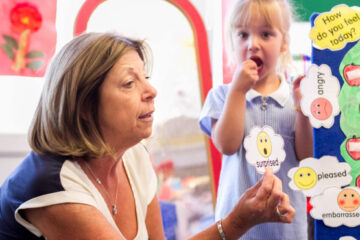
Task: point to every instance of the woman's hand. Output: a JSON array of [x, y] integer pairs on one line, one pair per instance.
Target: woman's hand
[[264, 202]]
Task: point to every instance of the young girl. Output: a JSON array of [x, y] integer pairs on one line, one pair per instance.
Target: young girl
[[258, 95]]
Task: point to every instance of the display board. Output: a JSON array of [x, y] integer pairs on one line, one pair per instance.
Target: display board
[[333, 106]]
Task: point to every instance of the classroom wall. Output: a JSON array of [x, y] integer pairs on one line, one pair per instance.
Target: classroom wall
[[13, 148]]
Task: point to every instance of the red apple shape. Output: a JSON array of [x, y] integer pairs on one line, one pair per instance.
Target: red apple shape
[[352, 74], [350, 143], [358, 181]]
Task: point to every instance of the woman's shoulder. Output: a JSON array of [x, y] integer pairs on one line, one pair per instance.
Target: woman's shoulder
[[140, 170], [37, 173], [138, 149], [137, 159], [138, 162]]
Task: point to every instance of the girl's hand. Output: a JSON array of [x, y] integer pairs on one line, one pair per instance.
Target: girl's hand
[[296, 91], [245, 76]]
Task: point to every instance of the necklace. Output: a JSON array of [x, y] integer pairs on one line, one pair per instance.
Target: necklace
[[113, 206]]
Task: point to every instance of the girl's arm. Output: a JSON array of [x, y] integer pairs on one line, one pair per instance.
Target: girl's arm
[[228, 131], [303, 128], [303, 137]]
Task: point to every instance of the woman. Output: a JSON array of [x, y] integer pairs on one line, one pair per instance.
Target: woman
[[88, 176]]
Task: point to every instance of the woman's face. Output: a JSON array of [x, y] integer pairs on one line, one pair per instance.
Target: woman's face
[[126, 104]]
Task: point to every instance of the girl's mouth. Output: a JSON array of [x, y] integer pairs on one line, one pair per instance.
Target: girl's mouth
[[258, 61]]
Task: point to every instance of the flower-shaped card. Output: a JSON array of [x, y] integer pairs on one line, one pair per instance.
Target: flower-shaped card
[[264, 148], [347, 238], [320, 90], [313, 175], [337, 206]]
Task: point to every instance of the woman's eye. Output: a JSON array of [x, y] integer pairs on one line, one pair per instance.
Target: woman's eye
[[128, 84]]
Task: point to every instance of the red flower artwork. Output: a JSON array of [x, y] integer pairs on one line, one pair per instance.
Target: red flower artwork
[[25, 16], [25, 19], [29, 38]]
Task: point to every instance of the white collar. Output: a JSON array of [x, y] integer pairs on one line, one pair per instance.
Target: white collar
[[281, 95]]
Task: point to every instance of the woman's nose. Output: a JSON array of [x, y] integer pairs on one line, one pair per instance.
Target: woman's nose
[[149, 92]]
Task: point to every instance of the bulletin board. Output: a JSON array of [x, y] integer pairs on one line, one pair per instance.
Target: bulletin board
[[336, 50]]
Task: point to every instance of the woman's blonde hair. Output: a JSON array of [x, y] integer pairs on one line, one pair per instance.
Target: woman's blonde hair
[[277, 13], [66, 119]]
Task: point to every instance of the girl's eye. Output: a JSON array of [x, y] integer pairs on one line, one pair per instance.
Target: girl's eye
[[243, 35], [266, 34]]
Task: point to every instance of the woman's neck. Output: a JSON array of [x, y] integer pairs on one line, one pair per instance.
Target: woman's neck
[[107, 168]]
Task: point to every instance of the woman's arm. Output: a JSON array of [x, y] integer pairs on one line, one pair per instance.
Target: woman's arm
[[71, 221], [257, 205], [153, 220], [80, 221], [303, 128]]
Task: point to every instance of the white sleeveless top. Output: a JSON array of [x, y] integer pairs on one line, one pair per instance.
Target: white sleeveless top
[[76, 187]]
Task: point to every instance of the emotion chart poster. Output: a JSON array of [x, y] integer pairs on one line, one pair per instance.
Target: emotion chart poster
[[331, 100]]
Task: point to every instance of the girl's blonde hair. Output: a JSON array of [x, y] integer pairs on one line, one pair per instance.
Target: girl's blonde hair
[[277, 13], [66, 119]]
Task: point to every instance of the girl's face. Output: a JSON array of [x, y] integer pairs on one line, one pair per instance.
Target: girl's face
[[126, 103], [260, 42]]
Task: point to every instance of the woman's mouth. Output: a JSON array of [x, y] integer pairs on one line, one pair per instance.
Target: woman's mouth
[[147, 116], [259, 63]]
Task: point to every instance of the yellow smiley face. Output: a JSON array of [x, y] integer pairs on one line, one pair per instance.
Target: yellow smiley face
[[305, 178], [264, 144]]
